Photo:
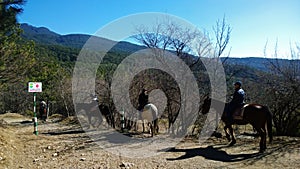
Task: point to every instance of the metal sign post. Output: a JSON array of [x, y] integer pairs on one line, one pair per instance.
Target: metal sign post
[[35, 122], [122, 113], [34, 87]]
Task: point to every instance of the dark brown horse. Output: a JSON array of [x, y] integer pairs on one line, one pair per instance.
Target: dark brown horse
[[257, 115], [94, 113]]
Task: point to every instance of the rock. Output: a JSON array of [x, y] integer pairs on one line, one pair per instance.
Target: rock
[[82, 159], [36, 160], [3, 122], [55, 155], [126, 164]]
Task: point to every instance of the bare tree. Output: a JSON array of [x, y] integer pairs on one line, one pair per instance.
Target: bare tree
[[222, 32], [165, 36], [169, 35], [283, 91], [155, 37], [103, 91], [210, 51]]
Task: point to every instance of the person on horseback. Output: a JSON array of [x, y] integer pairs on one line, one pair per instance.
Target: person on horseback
[[43, 109], [238, 100], [143, 99]]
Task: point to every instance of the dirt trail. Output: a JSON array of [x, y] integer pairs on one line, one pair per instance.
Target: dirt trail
[[65, 146]]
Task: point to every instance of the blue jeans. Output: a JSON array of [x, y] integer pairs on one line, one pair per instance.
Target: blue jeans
[[230, 108]]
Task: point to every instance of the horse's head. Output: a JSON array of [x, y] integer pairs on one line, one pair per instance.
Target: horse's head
[[216, 105]]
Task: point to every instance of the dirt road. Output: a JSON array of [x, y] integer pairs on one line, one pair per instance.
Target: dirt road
[[66, 146]]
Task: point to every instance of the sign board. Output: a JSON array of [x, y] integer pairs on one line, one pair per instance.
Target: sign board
[[34, 86]]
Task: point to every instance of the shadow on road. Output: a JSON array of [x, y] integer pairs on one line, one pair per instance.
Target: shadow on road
[[212, 153], [63, 132]]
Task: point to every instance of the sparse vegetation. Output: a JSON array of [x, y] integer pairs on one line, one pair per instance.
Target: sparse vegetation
[[50, 59]]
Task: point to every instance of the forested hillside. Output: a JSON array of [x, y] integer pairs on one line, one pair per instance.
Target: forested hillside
[[44, 36]]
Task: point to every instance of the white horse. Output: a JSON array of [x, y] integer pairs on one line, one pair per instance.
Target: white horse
[[150, 114]]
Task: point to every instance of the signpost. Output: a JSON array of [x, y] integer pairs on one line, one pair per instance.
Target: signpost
[[122, 113], [34, 87]]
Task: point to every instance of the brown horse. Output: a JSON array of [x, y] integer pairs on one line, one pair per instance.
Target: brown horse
[[94, 114], [255, 114]]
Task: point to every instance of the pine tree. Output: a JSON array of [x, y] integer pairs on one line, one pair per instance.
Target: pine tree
[[16, 57]]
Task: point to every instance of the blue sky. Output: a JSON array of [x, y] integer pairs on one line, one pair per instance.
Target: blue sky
[[253, 22]]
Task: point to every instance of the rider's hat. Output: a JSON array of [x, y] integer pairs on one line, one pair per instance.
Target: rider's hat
[[238, 83]]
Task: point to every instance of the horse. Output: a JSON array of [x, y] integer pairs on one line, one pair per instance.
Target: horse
[[91, 111], [150, 114], [94, 112], [255, 114], [43, 110]]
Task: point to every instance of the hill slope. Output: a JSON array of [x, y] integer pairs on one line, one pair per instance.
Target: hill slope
[[44, 36]]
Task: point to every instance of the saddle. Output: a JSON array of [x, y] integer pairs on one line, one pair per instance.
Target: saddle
[[238, 114]]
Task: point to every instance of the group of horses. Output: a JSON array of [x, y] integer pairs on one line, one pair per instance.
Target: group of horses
[[95, 112], [257, 115]]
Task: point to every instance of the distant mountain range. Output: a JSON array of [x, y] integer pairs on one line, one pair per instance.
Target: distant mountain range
[[45, 36]]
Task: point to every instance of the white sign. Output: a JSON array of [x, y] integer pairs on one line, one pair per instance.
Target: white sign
[[35, 87]]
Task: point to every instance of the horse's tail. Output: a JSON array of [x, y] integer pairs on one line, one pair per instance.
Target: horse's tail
[[153, 110], [269, 124]]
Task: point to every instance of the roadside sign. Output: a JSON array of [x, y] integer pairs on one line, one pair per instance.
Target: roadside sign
[[35, 87]]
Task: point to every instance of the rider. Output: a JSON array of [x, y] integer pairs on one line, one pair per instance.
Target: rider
[[143, 99], [237, 101], [43, 109]]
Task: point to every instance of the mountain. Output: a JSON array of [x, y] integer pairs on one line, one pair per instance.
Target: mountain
[[255, 62], [41, 35], [44, 36], [262, 64], [31, 30]]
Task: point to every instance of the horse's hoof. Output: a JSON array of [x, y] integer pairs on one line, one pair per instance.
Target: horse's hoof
[[228, 138], [232, 143], [261, 150]]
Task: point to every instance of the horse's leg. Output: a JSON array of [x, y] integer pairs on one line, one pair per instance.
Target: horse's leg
[[156, 126], [152, 130], [150, 126], [89, 120], [143, 124], [138, 123], [265, 140], [233, 141], [226, 133], [262, 143]]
